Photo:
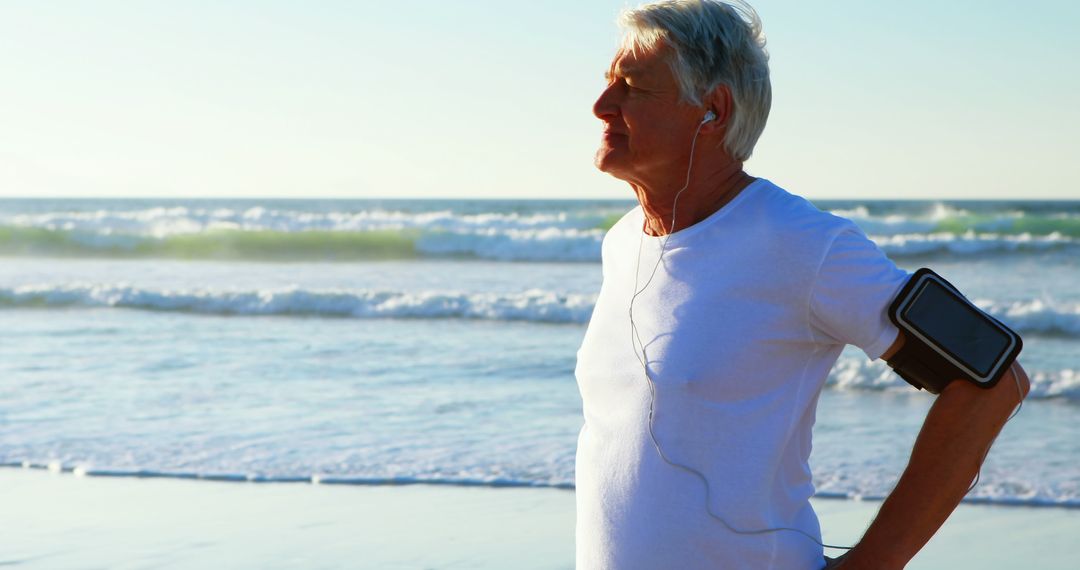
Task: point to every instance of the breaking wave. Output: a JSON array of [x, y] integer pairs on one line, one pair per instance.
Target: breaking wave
[[969, 243], [516, 244], [507, 233], [532, 305], [1030, 317], [858, 373]]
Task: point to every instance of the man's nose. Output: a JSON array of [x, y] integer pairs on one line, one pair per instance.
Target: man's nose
[[606, 106]]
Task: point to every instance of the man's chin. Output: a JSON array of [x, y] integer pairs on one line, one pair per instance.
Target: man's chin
[[608, 163]]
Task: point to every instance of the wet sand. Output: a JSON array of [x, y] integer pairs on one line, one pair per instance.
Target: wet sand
[[59, 521]]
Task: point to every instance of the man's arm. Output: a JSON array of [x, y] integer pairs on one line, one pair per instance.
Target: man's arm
[[947, 455]]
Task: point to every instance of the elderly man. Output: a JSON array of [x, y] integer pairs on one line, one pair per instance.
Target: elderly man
[[725, 302]]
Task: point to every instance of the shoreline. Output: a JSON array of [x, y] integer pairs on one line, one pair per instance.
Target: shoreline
[[80, 472], [59, 521]]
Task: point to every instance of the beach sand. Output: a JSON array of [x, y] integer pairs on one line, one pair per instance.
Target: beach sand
[[58, 521]]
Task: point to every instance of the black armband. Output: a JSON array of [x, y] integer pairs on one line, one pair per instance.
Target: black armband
[[948, 337]]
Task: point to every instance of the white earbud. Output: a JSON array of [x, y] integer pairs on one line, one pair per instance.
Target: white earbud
[[709, 116]]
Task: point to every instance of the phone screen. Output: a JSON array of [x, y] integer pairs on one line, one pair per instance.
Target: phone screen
[[968, 335]]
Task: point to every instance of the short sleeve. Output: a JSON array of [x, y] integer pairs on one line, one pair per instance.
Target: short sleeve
[[854, 287]]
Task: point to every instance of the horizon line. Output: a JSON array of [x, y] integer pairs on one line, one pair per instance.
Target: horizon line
[[519, 198]]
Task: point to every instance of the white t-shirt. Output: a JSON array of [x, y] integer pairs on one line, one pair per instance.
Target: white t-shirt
[[742, 322]]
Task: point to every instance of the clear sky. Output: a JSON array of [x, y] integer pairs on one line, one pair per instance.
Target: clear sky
[[318, 98]]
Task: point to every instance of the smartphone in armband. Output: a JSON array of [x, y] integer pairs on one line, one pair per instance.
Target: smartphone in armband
[[948, 337]]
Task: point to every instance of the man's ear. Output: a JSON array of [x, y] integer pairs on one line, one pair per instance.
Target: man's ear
[[718, 101]]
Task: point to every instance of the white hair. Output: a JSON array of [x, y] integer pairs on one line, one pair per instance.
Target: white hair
[[713, 44]]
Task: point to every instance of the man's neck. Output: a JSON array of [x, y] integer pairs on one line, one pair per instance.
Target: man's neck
[[701, 199]]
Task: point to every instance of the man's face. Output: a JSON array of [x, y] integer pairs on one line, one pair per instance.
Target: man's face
[[647, 129]]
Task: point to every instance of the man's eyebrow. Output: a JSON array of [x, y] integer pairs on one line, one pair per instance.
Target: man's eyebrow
[[622, 71]]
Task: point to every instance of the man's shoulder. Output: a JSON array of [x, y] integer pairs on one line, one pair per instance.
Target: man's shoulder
[[791, 216]]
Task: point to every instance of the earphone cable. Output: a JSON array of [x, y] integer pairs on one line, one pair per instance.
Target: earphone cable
[[643, 360]]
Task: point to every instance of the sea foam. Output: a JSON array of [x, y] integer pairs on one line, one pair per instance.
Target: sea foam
[[279, 233], [967, 244], [1029, 317], [531, 305], [830, 485]]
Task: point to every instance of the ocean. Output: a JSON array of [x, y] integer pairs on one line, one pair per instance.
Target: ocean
[[375, 342]]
